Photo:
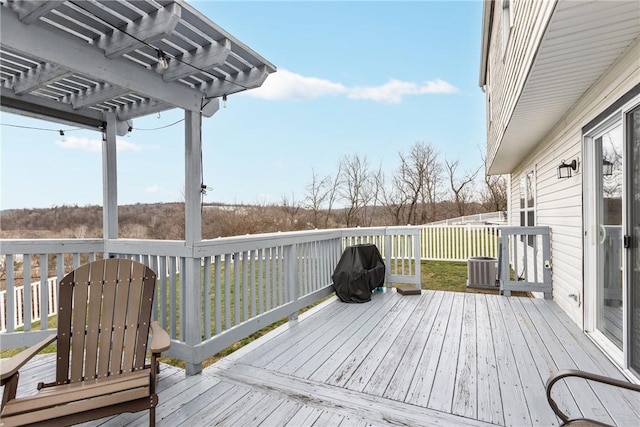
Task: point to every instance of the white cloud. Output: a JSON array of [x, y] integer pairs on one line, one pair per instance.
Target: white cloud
[[94, 145], [394, 90], [152, 189], [288, 85]]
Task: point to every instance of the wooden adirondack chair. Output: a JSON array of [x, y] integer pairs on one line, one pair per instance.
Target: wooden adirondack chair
[[104, 320]]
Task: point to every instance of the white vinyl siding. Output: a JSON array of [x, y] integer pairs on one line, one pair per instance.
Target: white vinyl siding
[[559, 201], [509, 72]]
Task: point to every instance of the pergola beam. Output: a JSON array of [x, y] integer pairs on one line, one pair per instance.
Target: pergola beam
[[39, 77], [146, 30], [46, 109], [246, 80], [102, 93], [205, 58], [32, 10]]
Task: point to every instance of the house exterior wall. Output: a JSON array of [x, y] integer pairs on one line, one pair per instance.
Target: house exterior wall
[[559, 201], [510, 59]]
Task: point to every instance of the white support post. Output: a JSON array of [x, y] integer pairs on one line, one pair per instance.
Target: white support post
[[109, 180], [192, 233]]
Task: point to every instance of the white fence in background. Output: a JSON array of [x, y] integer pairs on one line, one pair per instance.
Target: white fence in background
[[36, 307]]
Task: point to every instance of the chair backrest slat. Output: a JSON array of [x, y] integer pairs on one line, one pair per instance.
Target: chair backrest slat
[[65, 300], [119, 318], [93, 318], [78, 321], [106, 322], [149, 287], [103, 321], [132, 316]]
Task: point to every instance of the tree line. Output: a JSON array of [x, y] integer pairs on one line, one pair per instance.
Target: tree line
[[422, 189]]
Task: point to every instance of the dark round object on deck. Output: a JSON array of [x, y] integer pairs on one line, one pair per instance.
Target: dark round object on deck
[[360, 270]]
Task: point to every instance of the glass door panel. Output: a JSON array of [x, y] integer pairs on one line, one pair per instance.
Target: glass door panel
[[609, 179], [633, 140]]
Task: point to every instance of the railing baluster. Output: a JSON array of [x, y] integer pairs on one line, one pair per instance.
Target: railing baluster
[[245, 285], [44, 292], [237, 308], [217, 291], [227, 291], [253, 282], [206, 313]]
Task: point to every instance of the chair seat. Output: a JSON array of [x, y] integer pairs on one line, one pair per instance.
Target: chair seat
[[90, 395]]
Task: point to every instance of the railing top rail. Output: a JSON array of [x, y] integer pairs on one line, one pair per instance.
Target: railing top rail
[[25, 246]]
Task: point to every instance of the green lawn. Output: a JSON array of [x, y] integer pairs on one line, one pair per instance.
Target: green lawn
[[444, 275]]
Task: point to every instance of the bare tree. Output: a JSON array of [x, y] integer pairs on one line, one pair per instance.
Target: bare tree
[[461, 188], [494, 195], [415, 186], [318, 194], [291, 208], [357, 187]]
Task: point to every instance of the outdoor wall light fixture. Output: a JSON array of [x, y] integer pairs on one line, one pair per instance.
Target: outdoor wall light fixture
[[607, 168], [564, 170]]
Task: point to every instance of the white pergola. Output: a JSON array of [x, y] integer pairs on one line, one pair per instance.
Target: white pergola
[[100, 64]]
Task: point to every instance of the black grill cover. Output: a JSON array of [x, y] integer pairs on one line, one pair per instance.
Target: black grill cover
[[359, 271]]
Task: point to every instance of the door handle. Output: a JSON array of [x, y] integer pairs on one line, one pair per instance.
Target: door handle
[[627, 241]]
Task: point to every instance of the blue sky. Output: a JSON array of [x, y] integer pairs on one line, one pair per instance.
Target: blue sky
[[360, 77]]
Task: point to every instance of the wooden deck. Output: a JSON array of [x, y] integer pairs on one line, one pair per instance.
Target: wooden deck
[[441, 358]]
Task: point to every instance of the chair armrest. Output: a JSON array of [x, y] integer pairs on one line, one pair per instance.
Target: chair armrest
[[9, 367], [587, 376], [160, 339]]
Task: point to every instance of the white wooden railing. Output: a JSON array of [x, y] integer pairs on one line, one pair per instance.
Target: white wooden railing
[[434, 242], [227, 288], [216, 292]]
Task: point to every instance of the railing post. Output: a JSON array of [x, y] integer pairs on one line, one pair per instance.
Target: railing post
[[191, 315], [546, 256], [504, 273], [417, 258], [387, 258], [291, 276]]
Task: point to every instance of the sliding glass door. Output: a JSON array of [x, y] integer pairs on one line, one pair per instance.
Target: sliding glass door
[[608, 150], [612, 229], [633, 243]]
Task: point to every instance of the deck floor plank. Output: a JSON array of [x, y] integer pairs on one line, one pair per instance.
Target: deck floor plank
[[541, 355], [406, 371], [539, 411], [285, 341], [403, 348], [363, 339], [289, 359], [465, 394], [513, 398], [421, 384], [356, 371], [321, 354], [436, 359], [441, 398], [306, 416], [489, 399]]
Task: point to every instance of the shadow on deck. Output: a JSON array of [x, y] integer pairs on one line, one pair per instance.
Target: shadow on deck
[[441, 358]]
